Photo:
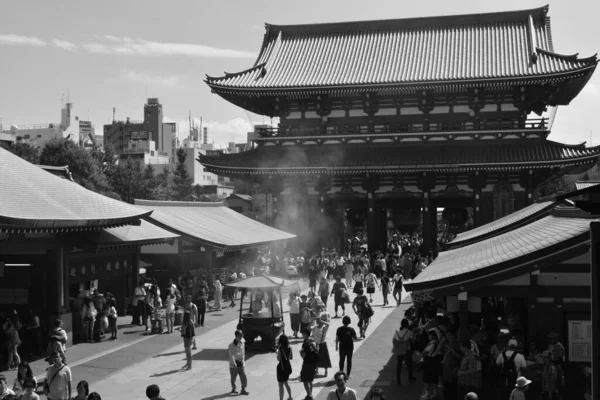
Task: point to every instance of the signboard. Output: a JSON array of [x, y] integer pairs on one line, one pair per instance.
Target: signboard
[[85, 127], [580, 341], [139, 135]]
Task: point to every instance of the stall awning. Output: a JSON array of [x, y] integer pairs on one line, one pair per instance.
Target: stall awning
[[262, 282], [126, 236], [213, 224], [501, 225], [560, 235]]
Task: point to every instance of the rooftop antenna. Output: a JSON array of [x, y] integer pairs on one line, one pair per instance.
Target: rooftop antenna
[[62, 100], [114, 112], [68, 96]]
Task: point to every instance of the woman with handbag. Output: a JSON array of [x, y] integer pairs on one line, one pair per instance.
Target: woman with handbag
[[284, 367]]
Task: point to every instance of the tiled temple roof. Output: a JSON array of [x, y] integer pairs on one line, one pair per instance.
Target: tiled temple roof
[[449, 50], [33, 200], [496, 227], [455, 156], [503, 255]]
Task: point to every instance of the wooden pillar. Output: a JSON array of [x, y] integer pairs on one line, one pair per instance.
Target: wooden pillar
[[428, 215], [526, 182], [463, 316], [477, 181], [595, 280], [372, 223]]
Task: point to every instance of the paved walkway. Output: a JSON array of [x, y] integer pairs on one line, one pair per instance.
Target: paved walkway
[[209, 378]]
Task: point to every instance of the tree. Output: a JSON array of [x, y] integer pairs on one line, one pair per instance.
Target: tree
[[85, 168], [162, 188], [107, 159], [127, 180], [585, 177], [182, 181], [24, 150]]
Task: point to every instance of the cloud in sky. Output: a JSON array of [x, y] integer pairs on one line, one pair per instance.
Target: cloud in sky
[[590, 88], [137, 77], [108, 44], [65, 45], [127, 46], [18, 40]]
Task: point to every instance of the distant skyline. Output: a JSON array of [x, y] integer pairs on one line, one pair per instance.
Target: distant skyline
[[117, 54]]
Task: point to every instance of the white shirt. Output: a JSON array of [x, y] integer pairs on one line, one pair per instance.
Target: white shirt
[[349, 394], [520, 362]]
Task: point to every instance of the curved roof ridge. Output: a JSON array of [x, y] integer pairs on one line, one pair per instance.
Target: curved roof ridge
[[233, 74], [571, 57], [395, 23], [170, 203]]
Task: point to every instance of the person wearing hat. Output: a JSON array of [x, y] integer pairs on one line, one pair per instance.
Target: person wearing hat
[[521, 387], [513, 371], [549, 376]]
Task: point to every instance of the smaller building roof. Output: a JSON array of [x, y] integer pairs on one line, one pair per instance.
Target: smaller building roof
[[61, 172], [511, 221], [33, 200], [245, 197], [505, 255], [212, 224], [585, 184], [143, 234]]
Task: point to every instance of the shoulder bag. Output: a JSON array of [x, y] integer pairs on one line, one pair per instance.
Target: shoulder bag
[[49, 382]]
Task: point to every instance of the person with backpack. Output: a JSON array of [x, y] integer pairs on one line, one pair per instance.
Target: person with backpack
[[402, 346], [340, 294], [310, 357], [363, 310], [512, 365]]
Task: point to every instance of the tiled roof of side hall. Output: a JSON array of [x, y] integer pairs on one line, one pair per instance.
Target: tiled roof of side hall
[[510, 249], [585, 184], [33, 200], [535, 209], [410, 51], [490, 154]]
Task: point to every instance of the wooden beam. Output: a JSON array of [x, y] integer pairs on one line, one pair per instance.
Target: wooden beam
[[568, 268], [531, 291]]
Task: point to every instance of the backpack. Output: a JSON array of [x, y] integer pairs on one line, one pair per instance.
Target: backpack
[[401, 343], [509, 369], [368, 310], [312, 354], [305, 316]]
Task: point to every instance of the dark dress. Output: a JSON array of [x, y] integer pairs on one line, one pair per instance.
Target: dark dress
[[284, 367], [431, 366]]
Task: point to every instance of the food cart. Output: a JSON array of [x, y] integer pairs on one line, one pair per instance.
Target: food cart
[[263, 315]]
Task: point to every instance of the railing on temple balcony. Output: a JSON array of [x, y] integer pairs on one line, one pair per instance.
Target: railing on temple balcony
[[441, 127]]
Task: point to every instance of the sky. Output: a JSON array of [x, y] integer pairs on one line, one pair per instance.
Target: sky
[[109, 53]]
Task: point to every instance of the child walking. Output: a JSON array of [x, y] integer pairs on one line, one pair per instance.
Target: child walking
[[112, 319]]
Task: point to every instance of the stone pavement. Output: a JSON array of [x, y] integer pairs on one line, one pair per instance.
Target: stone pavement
[[209, 378]]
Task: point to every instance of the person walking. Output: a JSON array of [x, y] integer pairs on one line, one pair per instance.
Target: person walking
[[170, 301], [467, 373], [58, 379], [112, 319], [88, 313], [371, 282], [294, 305], [237, 356], [401, 346], [344, 343], [349, 270], [385, 288], [201, 304], [363, 310], [342, 392], [310, 357], [339, 293], [138, 303], [188, 334], [193, 310], [398, 282], [284, 366], [218, 288], [319, 334], [324, 290]]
